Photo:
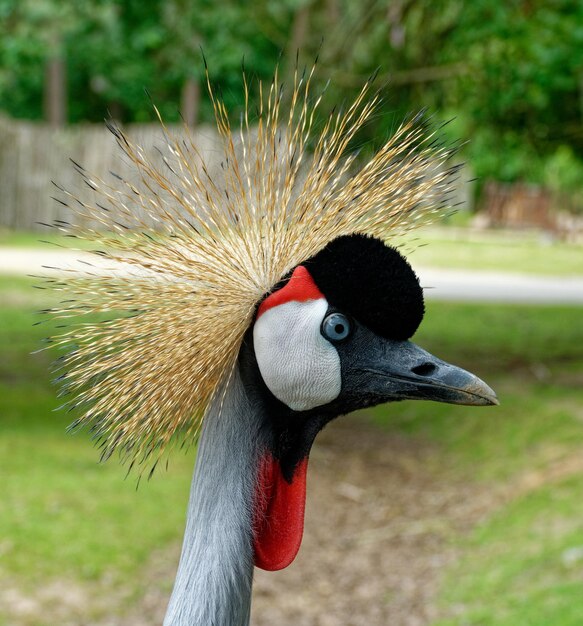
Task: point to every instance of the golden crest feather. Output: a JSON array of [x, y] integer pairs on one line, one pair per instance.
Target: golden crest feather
[[200, 249]]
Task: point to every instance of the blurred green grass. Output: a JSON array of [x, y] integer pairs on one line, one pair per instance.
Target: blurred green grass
[[500, 251], [532, 356], [523, 563], [64, 516], [451, 247]]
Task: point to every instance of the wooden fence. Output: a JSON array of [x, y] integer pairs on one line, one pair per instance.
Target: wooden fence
[[32, 155], [520, 205]]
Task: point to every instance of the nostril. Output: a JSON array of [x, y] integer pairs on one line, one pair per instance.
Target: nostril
[[425, 369]]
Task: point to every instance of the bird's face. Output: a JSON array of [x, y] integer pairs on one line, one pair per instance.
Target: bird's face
[[332, 339]]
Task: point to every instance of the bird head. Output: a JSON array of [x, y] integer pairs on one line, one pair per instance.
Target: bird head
[[275, 266], [331, 338]]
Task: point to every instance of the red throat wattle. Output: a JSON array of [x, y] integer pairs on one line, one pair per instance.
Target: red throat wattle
[[278, 514]]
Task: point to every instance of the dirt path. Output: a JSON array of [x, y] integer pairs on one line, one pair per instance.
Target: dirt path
[[377, 540]]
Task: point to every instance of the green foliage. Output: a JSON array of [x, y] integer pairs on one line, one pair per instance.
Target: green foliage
[[563, 175], [511, 72], [116, 50], [521, 87]]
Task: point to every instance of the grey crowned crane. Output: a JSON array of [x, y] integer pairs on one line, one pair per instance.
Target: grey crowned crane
[[265, 302]]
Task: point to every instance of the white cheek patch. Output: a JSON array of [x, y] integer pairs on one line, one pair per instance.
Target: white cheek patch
[[299, 366]]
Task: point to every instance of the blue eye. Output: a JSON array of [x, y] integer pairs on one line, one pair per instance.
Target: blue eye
[[336, 327]]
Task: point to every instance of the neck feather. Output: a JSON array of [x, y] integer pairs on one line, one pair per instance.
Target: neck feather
[[214, 579]]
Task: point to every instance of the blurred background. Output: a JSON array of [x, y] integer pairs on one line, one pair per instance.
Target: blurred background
[[418, 514]]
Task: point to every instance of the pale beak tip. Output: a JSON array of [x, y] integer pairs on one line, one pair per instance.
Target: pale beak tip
[[487, 394]]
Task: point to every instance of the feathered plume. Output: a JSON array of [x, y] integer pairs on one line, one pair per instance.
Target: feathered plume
[[219, 243]]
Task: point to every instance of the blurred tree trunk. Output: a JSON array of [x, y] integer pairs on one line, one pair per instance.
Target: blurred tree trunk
[[296, 42], [190, 102], [396, 25], [115, 110], [333, 13], [55, 92]]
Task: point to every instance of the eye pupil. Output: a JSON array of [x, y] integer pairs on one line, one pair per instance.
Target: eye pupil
[[336, 327]]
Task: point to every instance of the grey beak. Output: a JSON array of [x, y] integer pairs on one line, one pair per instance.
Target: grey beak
[[434, 379], [406, 371]]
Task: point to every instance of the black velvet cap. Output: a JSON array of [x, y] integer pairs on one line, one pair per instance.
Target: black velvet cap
[[371, 282]]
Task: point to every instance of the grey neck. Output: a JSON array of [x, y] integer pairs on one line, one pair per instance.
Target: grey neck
[[215, 574]]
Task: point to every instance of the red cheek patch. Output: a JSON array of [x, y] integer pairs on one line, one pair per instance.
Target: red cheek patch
[[301, 287]]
